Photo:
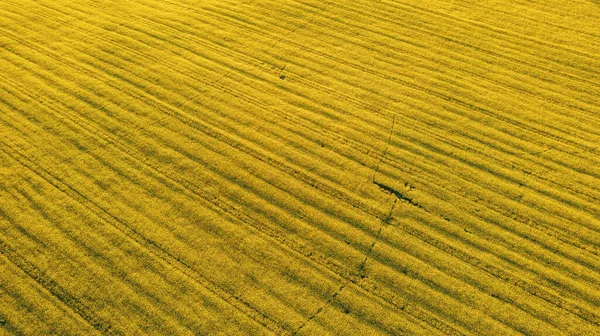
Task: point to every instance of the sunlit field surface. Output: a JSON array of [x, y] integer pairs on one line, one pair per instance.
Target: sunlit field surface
[[283, 167]]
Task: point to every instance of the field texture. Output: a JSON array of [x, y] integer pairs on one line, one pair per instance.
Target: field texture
[[300, 167]]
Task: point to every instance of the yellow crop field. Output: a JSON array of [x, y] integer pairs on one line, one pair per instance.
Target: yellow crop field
[[299, 167]]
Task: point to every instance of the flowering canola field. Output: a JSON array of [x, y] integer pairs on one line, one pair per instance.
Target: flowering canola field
[[299, 167]]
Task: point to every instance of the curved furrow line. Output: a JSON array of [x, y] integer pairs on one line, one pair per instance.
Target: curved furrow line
[[107, 141], [236, 17], [485, 148], [105, 162]]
